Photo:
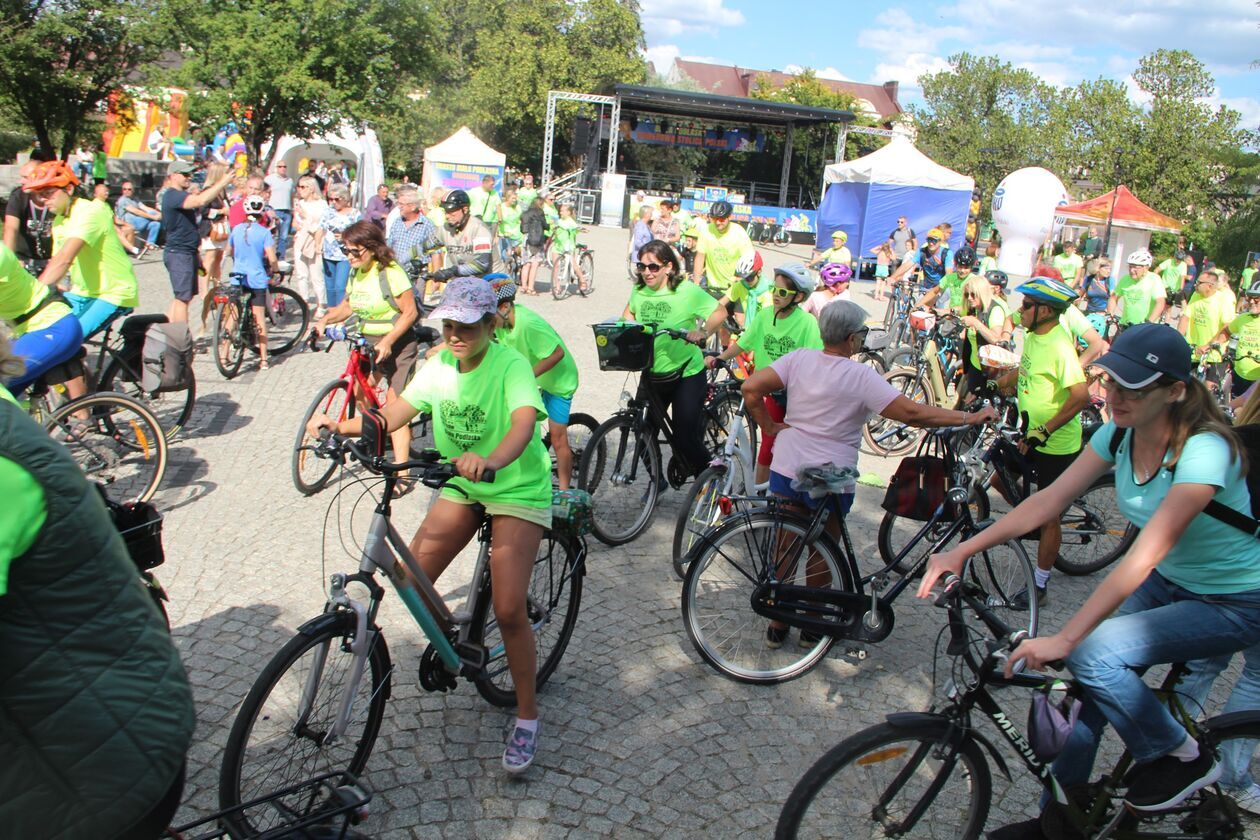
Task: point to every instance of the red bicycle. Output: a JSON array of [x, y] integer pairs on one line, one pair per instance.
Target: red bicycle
[[338, 400]]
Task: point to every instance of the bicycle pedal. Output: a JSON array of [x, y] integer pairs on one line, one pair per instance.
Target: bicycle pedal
[[473, 655]]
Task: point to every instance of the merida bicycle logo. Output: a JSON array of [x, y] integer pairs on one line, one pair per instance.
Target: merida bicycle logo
[[1019, 742]]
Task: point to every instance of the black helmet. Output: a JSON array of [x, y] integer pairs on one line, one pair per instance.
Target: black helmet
[[455, 200], [721, 210], [997, 278], [966, 256]]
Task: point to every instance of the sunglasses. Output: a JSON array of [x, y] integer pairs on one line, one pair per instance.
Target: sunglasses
[[649, 267], [357, 253], [784, 293], [1028, 304], [932, 240], [1124, 394]]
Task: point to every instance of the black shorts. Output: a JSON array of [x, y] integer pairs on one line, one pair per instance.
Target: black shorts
[[182, 267], [1046, 468], [257, 297]]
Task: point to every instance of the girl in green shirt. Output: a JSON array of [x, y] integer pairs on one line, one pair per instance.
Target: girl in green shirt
[[565, 239]]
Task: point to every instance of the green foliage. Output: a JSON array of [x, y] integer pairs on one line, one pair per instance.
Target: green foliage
[[62, 60], [1236, 236]]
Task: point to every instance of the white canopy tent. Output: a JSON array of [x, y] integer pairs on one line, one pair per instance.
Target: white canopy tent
[[362, 148], [460, 161]]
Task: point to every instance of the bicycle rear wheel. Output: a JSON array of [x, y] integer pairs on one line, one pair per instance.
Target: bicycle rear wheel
[[562, 278], [621, 469], [281, 734], [288, 319], [870, 784], [310, 473], [116, 441], [587, 264], [229, 348], [1005, 573], [1095, 533], [171, 408], [555, 593], [581, 429], [884, 437]]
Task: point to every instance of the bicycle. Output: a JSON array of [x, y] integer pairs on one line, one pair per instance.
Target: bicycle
[[338, 399], [621, 467], [288, 319], [772, 233], [927, 774], [562, 285], [317, 706], [901, 302], [751, 570]]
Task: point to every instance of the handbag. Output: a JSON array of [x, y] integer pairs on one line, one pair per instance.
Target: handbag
[[918, 486], [1050, 722], [220, 230]]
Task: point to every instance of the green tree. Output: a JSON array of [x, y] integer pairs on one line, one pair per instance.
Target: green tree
[[62, 60], [296, 67]]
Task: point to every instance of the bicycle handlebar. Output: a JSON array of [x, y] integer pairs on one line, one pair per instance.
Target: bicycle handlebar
[[436, 472]]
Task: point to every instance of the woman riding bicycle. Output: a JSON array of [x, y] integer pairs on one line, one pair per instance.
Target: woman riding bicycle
[[988, 321], [45, 331], [662, 298], [830, 398], [379, 294], [1188, 588], [485, 405], [253, 252]]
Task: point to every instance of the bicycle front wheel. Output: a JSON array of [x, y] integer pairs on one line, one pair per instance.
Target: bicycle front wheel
[[116, 441], [1005, 573], [229, 349], [555, 592], [288, 319], [1095, 532], [621, 469], [699, 509], [722, 418], [722, 577], [587, 263], [171, 408], [892, 781], [561, 279], [310, 473], [283, 732]]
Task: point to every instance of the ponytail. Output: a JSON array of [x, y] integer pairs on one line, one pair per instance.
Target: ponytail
[[1196, 413]]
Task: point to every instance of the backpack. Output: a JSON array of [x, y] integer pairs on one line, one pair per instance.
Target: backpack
[[1250, 436], [534, 227], [422, 334], [166, 354]]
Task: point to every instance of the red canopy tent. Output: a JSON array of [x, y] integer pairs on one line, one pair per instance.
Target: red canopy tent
[[1124, 209]]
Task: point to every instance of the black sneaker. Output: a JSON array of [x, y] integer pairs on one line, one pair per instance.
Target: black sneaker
[[1026, 830], [1168, 781], [776, 636], [1019, 601]]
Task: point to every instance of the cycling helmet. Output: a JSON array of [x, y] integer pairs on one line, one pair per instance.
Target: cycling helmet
[[692, 229], [721, 210], [749, 266], [455, 200], [839, 234], [935, 233], [1253, 290], [253, 205], [798, 276], [1054, 293], [997, 278], [834, 274], [1141, 257], [504, 288], [50, 173], [966, 257]]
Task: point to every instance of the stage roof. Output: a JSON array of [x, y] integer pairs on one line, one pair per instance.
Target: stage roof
[[684, 103]]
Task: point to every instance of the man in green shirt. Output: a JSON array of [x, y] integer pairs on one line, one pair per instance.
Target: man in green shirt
[[510, 236], [721, 245], [1140, 292], [1173, 272], [1070, 265], [1246, 329], [526, 192], [1249, 273], [484, 202], [1208, 312]]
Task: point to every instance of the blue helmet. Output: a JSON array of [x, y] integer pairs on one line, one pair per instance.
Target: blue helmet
[[1053, 293]]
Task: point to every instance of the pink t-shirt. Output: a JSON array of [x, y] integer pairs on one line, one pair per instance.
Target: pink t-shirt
[[817, 300], [830, 399]]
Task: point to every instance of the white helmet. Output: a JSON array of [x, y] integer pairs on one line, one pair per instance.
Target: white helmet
[[749, 265], [1141, 257]]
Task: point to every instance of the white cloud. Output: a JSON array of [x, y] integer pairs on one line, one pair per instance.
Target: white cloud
[[907, 71], [663, 19], [822, 73], [662, 56], [1248, 106]]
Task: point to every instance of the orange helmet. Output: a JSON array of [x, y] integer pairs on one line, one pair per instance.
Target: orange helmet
[[50, 173]]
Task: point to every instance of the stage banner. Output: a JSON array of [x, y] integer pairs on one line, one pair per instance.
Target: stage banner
[[708, 139], [788, 218], [465, 176]]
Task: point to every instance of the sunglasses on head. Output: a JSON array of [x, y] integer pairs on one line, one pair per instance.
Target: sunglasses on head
[[649, 267]]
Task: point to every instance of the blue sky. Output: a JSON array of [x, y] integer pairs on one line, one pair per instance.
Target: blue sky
[[1063, 42]]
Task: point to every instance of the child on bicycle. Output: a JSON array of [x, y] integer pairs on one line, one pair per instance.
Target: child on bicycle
[[525, 331], [252, 250], [485, 405], [1188, 588], [566, 233]]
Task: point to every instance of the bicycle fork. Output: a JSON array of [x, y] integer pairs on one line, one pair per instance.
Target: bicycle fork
[[364, 638]]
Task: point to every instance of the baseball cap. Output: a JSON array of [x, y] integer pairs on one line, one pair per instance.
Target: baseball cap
[[466, 300], [1145, 352], [839, 234], [180, 167]]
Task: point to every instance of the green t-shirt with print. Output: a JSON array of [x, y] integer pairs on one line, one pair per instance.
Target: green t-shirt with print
[[24, 512], [683, 308], [768, 338], [20, 292], [1068, 266], [1048, 368], [952, 285], [998, 313], [722, 253], [363, 292], [1246, 328], [566, 234], [510, 223], [472, 412], [102, 269], [1139, 296], [753, 299], [1208, 316], [1173, 272], [535, 339]]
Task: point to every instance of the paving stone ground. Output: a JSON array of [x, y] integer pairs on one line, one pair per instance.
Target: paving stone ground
[[640, 738]]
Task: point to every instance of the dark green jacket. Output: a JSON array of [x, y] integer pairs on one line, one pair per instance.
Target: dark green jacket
[[95, 710]]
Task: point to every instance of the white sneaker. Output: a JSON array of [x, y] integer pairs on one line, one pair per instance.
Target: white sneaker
[[1248, 798]]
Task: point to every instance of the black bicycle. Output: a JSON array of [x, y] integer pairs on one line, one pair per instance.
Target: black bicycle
[[288, 321]]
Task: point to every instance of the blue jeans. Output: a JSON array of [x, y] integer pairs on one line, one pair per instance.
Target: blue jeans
[[336, 276], [147, 228], [1245, 697], [284, 226], [1159, 623], [44, 349]]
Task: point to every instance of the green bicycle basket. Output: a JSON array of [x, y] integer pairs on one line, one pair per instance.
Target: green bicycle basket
[[571, 512], [623, 345]]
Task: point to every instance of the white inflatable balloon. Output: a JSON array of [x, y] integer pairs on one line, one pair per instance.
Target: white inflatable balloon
[[1023, 211]]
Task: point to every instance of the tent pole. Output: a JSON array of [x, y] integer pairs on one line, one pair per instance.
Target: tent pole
[[787, 166]]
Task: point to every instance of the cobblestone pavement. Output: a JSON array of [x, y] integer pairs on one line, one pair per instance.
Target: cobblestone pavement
[[639, 737]]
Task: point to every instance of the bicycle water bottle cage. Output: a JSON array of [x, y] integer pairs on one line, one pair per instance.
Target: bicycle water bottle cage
[[823, 480]]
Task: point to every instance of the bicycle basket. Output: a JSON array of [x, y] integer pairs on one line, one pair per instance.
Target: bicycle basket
[[571, 512], [140, 526], [922, 321], [623, 345]]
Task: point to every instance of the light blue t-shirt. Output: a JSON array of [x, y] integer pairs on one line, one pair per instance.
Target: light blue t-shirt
[[250, 242], [1211, 557]]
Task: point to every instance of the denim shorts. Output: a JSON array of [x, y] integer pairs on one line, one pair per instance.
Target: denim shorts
[[781, 485], [558, 408]]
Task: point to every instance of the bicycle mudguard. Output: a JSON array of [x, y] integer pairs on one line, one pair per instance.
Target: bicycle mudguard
[[912, 720]]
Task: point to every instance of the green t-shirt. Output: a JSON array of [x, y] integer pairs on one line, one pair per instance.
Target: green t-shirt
[[1068, 266], [484, 204], [535, 339], [998, 313], [987, 264], [1173, 272], [676, 309], [1248, 274], [100, 166], [20, 292], [840, 255], [566, 234], [472, 412], [753, 299], [364, 294], [436, 215], [525, 197], [722, 253], [952, 284], [552, 214], [1139, 296], [1048, 368], [1208, 316], [102, 270], [768, 338], [24, 513], [510, 222], [1246, 328]]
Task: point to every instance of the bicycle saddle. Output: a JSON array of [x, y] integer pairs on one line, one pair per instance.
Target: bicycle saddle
[[821, 480]]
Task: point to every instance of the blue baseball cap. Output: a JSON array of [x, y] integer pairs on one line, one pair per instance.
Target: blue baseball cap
[[1145, 352]]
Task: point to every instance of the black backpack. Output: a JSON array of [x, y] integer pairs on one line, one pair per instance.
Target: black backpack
[[1250, 436], [533, 225]]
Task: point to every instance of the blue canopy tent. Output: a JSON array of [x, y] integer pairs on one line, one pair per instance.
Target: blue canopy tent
[[865, 196]]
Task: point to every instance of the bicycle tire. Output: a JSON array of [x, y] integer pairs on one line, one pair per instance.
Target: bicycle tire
[[555, 594], [587, 263], [561, 280], [913, 387], [874, 360], [859, 805], [116, 441], [173, 409], [718, 587], [895, 532], [290, 737], [227, 340], [311, 474], [782, 238], [699, 509], [1004, 572], [1095, 533], [581, 428], [622, 509], [288, 320]]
